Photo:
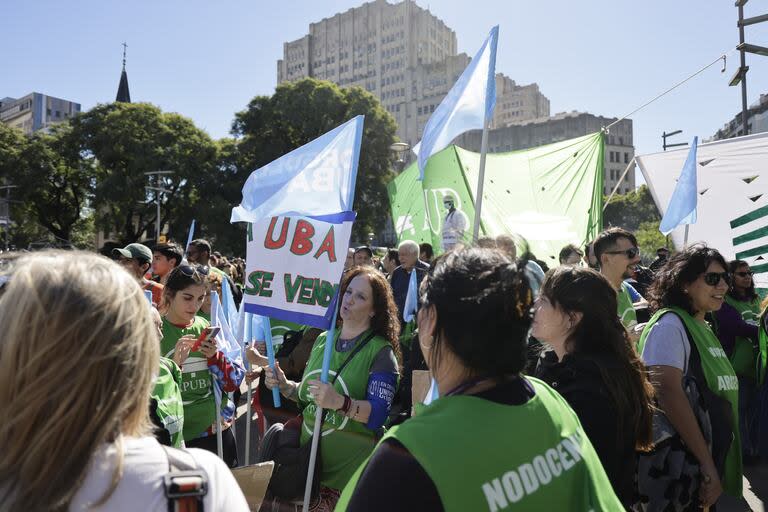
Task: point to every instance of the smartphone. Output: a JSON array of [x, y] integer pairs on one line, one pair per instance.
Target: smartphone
[[207, 334]]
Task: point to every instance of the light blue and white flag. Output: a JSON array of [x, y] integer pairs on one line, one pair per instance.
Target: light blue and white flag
[[682, 206], [315, 180], [190, 235], [469, 102], [411, 298], [225, 340], [230, 308]]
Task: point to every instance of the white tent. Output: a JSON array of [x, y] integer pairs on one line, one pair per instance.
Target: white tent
[[732, 180]]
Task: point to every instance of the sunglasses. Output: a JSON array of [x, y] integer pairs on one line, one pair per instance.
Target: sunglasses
[[629, 253], [189, 270], [713, 278], [744, 274]]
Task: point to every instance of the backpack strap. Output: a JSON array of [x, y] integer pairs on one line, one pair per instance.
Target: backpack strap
[[185, 484]]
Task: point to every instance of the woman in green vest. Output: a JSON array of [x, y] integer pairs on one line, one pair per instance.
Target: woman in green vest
[[202, 368], [358, 402], [494, 440], [689, 366], [741, 344]]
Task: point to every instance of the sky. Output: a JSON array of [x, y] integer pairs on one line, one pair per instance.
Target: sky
[[206, 60]]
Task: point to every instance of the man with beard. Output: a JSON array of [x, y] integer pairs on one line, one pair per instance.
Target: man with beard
[[617, 255]]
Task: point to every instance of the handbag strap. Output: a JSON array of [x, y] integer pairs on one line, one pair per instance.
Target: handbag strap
[[354, 352]]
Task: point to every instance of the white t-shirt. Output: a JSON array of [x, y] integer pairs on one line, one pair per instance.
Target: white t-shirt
[[141, 488], [667, 344], [454, 226]]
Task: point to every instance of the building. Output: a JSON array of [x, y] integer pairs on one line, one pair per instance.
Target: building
[[404, 56], [757, 121], [619, 148], [36, 111]]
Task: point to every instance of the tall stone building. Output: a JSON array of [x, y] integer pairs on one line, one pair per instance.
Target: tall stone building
[[757, 121], [36, 111], [403, 55], [619, 147]]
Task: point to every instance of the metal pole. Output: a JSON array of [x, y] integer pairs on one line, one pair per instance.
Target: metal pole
[[157, 200], [8, 218], [685, 237], [480, 180], [744, 123]]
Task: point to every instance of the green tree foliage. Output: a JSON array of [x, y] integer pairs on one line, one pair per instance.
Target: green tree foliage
[[53, 184], [299, 112], [124, 142], [635, 211]]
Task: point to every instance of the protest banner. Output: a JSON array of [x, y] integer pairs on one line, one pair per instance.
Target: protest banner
[[294, 267]]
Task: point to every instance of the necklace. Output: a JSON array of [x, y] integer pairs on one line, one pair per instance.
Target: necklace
[[467, 384]]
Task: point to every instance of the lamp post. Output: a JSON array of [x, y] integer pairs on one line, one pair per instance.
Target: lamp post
[[399, 149], [157, 189], [665, 135], [744, 48], [7, 217]]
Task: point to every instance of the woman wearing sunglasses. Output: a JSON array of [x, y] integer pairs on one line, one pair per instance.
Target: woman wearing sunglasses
[[697, 455], [737, 329], [201, 368]]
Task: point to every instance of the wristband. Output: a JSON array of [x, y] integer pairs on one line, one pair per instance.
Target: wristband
[[347, 404]]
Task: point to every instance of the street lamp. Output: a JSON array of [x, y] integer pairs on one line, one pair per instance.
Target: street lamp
[[157, 189], [741, 73], [665, 135], [399, 149]]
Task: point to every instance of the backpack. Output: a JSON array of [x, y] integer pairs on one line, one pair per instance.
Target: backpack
[[185, 485]]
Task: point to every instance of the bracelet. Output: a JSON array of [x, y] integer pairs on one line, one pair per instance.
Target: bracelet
[[347, 404]]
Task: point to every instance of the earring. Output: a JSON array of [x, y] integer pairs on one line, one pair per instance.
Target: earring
[[424, 345]]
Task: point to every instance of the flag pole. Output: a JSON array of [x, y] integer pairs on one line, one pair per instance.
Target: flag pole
[[249, 394], [218, 397], [685, 237], [481, 179], [330, 339]]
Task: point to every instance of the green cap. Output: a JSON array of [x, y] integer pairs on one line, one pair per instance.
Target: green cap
[[138, 252]]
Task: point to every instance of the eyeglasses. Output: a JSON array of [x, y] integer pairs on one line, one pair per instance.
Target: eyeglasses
[[189, 270], [630, 253], [713, 278], [744, 274]]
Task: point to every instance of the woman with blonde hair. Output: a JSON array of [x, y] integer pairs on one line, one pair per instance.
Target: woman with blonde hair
[[79, 437]]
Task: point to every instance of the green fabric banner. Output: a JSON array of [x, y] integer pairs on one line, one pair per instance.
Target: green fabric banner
[[550, 195]]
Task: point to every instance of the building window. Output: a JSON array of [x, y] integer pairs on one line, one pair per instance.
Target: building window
[[626, 158], [611, 156]]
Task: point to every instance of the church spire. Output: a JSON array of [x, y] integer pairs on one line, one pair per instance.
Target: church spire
[[123, 94]]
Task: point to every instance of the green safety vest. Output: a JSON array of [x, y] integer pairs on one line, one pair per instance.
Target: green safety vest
[[743, 357], [196, 384], [626, 310], [762, 339], [720, 379], [345, 443], [167, 393], [482, 455]]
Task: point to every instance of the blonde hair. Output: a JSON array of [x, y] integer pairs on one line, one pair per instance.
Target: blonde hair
[[77, 358]]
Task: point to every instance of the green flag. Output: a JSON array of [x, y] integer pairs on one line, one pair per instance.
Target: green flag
[[551, 195]]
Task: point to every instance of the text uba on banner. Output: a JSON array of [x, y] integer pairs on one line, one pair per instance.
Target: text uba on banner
[[301, 237]]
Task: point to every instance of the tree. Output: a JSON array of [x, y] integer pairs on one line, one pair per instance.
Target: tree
[[636, 211], [53, 184], [125, 141], [299, 112]]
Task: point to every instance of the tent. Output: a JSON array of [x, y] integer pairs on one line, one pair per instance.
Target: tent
[[732, 180], [550, 195]]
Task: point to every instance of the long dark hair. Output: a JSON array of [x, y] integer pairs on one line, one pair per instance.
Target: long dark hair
[[733, 267], [600, 335], [667, 289], [482, 301], [385, 322]]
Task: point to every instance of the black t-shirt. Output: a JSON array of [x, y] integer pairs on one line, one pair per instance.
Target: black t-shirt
[[414, 489]]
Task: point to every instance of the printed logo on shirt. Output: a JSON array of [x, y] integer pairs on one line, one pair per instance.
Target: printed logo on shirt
[[727, 383], [333, 420], [515, 484], [717, 352]]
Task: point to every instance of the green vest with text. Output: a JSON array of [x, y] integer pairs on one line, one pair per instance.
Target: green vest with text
[[626, 310], [721, 380], [762, 352], [482, 455], [743, 357], [345, 443], [167, 393]]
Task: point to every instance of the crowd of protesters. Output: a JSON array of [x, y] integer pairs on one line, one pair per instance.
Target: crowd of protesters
[[599, 384]]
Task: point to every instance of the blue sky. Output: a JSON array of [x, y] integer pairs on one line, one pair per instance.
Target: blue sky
[[206, 60]]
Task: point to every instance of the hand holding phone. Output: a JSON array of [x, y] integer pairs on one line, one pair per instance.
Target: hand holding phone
[[207, 335]]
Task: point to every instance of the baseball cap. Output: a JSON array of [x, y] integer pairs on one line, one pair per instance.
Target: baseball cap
[[138, 252], [364, 248]]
